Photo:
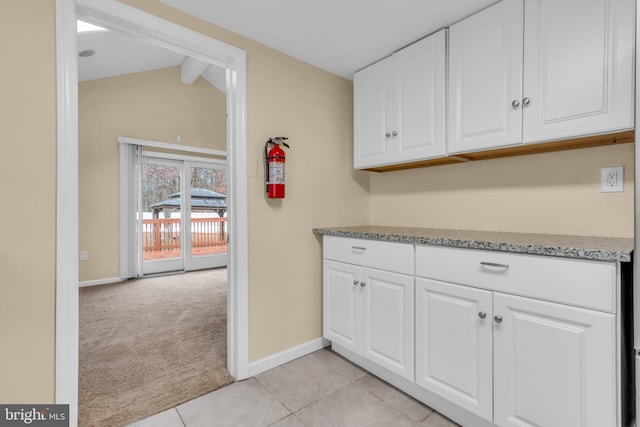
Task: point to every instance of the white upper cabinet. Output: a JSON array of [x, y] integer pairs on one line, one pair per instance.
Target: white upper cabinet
[[578, 68], [372, 115], [419, 99], [485, 79], [399, 106], [540, 70]]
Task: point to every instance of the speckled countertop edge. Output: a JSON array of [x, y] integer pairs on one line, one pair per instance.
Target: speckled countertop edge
[[578, 247]]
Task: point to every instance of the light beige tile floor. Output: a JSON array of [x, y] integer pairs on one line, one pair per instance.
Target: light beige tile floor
[[321, 389]]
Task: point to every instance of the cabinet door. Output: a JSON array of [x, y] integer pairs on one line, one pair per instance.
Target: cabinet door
[[578, 63], [454, 344], [554, 365], [387, 321], [418, 98], [485, 79], [372, 115], [341, 304]]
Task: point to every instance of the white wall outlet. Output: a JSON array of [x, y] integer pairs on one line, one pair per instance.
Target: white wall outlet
[[84, 255], [612, 179]]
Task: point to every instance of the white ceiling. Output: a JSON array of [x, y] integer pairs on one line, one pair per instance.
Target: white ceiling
[[340, 36], [118, 54]]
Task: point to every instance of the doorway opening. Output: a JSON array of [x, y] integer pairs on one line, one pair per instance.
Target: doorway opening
[[116, 15]]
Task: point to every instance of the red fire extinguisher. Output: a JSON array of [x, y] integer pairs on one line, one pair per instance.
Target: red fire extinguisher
[[274, 167]]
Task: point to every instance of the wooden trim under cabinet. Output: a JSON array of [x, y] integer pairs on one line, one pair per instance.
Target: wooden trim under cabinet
[[519, 150]]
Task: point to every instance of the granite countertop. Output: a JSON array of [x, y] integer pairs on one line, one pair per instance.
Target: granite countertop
[[579, 247]]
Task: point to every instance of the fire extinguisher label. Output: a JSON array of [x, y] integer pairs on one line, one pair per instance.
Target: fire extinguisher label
[[276, 173]]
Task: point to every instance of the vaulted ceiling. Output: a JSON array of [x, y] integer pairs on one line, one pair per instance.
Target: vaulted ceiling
[[340, 36]]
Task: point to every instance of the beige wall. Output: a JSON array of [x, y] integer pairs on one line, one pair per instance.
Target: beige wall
[[27, 256], [153, 105], [557, 193], [314, 109]]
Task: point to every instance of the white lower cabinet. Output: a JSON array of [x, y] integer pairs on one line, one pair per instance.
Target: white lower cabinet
[[454, 350], [387, 320], [497, 340], [516, 360], [554, 365], [342, 304], [369, 311]]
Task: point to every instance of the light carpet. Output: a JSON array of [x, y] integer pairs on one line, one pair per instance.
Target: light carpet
[[150, 344]]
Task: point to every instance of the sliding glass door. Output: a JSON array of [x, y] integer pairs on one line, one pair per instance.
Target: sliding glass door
[[182, 220], [160, 217], [206, 214]]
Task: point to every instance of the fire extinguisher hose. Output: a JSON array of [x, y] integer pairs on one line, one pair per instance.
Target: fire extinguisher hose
[[266, 166]]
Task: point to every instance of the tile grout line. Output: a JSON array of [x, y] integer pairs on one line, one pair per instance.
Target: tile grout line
[[388, 404], [180, 416], [291, 412], [265, 388]]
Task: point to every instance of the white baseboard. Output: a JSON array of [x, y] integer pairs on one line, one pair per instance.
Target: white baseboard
[[99, 282], [285, 356]]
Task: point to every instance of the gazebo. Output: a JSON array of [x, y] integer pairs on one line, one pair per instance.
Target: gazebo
[[202, 200]]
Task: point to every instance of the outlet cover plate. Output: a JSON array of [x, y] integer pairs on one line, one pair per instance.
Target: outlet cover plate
[[612, 179]]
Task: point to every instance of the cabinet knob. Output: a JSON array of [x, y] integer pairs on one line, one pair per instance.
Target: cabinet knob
[[498, 319], [482, 315], [355, 282], [387, 134], [362, 284], [515, 103], [394, 133], [526, 101]]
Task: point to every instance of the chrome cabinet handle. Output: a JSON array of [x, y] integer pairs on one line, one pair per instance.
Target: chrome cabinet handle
[[498, 319], [355, 282], [387, 134], [358, 248], [493, 264], [515, 103], [482, 315], [394, 133], [362, 284], [526, 101]]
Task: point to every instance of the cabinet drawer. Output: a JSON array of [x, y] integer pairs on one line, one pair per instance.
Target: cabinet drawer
[[581, 283], [390, 256]]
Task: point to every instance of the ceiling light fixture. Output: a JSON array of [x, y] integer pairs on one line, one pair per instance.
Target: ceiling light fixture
[[85, 27], [86, 53]]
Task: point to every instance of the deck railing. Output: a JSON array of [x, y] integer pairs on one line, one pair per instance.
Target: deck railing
[[163, 235]]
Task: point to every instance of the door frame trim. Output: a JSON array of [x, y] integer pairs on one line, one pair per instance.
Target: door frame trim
[[169, 146], [135, 22]]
